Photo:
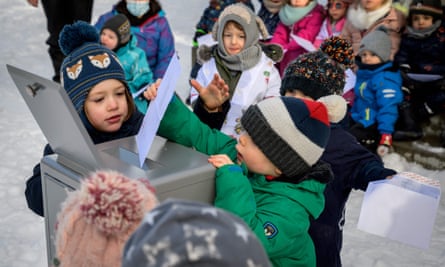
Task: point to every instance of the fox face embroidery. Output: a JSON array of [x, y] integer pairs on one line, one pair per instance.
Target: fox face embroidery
[[101, 61], [74, 71]]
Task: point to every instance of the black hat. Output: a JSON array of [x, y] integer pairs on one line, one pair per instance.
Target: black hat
[[121, 26], [427, 7]]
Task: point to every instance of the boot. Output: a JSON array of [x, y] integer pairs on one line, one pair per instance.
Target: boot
[[407, 128]]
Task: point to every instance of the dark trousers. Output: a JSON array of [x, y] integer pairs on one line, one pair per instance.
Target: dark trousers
[[59, 13]]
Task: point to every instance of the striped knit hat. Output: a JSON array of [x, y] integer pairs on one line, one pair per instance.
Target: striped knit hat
[[427, 7], [291, 132], [86, 64]]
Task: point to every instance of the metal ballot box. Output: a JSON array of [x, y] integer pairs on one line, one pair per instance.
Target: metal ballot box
[[174, 170]]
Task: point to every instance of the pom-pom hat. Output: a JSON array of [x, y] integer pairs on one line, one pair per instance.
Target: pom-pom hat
[[185, 233], [96, 220], [291, 132], [86, 64], [321, 72]]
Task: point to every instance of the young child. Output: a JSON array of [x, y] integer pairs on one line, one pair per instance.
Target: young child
[[269, 13], [97, 220], [353, 165], [150, 26], [421, 52], [377, 93], [95, 82], [334, 21], [186, 233], [238, 59], [116, 35], [277, 185], [298, 19], [364, 16]]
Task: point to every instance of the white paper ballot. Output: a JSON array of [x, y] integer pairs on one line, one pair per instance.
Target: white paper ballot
[[402, 208], [157, 108], [304, 43], [424, 77], [206, 39]]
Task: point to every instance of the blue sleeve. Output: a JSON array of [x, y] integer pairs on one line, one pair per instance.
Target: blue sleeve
[[33, 191]]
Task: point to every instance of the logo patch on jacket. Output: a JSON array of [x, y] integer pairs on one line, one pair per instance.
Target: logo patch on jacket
[[270, 230]]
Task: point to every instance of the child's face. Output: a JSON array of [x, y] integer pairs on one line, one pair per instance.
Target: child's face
[[109, 39], [253, 157], [371, 5], [234, 39], [420, 21], [299, 3], [337, 9], [369, 58], [106, 105]]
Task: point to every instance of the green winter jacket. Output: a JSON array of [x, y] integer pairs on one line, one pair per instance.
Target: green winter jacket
[[278, 212]]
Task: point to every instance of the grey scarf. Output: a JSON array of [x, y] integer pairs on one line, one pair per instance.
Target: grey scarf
[[289, 14], [244, 60], [421, 34]]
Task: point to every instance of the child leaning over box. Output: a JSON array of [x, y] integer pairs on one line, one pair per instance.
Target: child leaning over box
[[272, 178]]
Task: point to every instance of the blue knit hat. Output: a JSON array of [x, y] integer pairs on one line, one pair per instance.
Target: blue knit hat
[[291, 132], [86, 64]]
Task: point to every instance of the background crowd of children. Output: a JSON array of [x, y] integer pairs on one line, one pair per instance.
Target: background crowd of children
[[273, 84]]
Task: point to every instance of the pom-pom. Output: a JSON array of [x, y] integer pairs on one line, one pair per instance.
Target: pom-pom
[[113, 202], [75, 35], [336, 106], [339, 50]]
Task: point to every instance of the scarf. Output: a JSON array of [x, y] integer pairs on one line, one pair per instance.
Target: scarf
[[362, 20], [273, 7], [244, 60], [421, 34], [290, 15]]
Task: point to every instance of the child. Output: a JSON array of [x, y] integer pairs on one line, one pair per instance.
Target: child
[[97, 220], [150, 26], [334, 21], [95, 82], [241, 63], [277, 185], [269, 13], [352, 164], [421, 52], [364, 16], [186, 233], [298, 19], [116, 35], [377, 93]]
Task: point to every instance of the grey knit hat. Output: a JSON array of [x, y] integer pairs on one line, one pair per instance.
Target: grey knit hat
[[244, 16], [378, 42], [186, 233], [291, 132]]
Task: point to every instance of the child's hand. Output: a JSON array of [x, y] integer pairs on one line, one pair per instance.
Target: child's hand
[[214, 95], [152, 90], [220, 160]]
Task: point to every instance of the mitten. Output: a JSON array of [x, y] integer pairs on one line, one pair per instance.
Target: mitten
[[384, 145]]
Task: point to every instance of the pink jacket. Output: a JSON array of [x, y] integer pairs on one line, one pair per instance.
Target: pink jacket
[[306, 28], [327, 30]]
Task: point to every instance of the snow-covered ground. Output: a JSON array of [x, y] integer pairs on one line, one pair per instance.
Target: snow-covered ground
[[22, 237]]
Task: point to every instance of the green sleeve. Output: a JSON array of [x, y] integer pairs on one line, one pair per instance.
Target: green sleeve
[[181, 126]]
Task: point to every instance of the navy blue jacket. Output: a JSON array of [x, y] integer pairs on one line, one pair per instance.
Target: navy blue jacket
[[354, 167]]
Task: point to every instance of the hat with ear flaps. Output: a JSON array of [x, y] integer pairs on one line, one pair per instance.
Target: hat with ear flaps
[[96, 220], [86, 64]]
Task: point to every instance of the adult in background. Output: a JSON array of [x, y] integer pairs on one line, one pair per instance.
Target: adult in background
[[151, 28], [58, 14]]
